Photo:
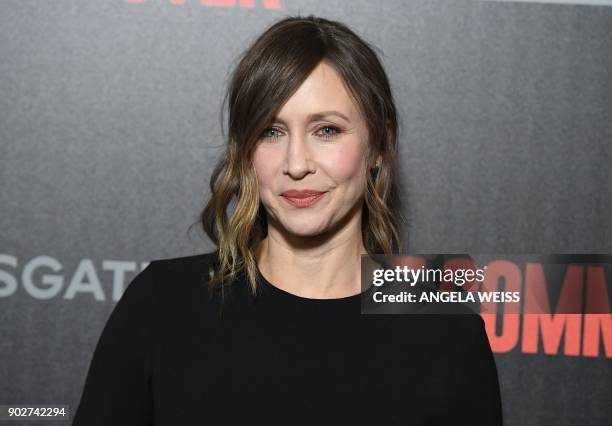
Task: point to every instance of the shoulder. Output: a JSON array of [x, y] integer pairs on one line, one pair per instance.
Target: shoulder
[[184, 265], [167, 279], [453, 334], [462, 340], [181, 285], [461, 329]]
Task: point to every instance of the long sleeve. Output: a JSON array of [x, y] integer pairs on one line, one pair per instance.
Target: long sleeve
[[117, 388], [473, 395]]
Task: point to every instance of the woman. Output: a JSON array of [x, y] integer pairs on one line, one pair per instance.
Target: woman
[[267, 329]]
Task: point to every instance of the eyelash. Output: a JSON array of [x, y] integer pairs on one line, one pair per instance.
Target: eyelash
[[326, 137]]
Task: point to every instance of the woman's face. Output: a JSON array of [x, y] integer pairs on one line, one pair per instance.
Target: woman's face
[[317, 142]]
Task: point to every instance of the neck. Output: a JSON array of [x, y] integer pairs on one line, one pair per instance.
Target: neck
[[320, 267]]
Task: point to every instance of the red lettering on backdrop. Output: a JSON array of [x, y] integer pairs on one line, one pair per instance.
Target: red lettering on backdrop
[[220, 3], [496, 270], [455, 264], [567, 320], [597, 301], [267, 4], [552, 326]]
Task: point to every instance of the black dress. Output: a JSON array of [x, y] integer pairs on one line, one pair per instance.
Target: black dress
[[170, 356]]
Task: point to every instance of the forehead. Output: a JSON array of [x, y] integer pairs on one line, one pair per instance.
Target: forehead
[[323, 90]]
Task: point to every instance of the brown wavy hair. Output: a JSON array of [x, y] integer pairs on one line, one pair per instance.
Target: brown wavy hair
[[266, 76]]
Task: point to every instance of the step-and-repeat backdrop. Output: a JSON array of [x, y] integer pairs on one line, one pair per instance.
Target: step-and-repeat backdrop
[[110, 125]]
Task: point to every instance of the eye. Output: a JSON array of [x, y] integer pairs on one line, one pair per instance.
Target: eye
[[329, 132], [270, 133]]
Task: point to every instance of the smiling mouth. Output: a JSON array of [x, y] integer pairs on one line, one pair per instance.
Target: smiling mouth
[[304, 201]]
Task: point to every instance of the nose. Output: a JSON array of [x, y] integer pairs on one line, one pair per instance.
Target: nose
[[298, 161]]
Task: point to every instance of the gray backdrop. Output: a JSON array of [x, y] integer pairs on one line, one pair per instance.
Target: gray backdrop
[[109, 126]]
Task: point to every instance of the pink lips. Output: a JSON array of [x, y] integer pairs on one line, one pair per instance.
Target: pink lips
[[302, 198]]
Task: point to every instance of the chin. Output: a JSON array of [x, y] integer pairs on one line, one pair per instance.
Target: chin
[[305, 229]]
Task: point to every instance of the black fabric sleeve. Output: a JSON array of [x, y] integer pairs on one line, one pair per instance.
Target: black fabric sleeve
[[117, 388], [472, 396]]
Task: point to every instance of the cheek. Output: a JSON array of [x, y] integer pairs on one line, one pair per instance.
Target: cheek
[[347, 163], [264, 163]]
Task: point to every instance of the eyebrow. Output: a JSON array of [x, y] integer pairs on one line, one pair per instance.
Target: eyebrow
[[318, 116]]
